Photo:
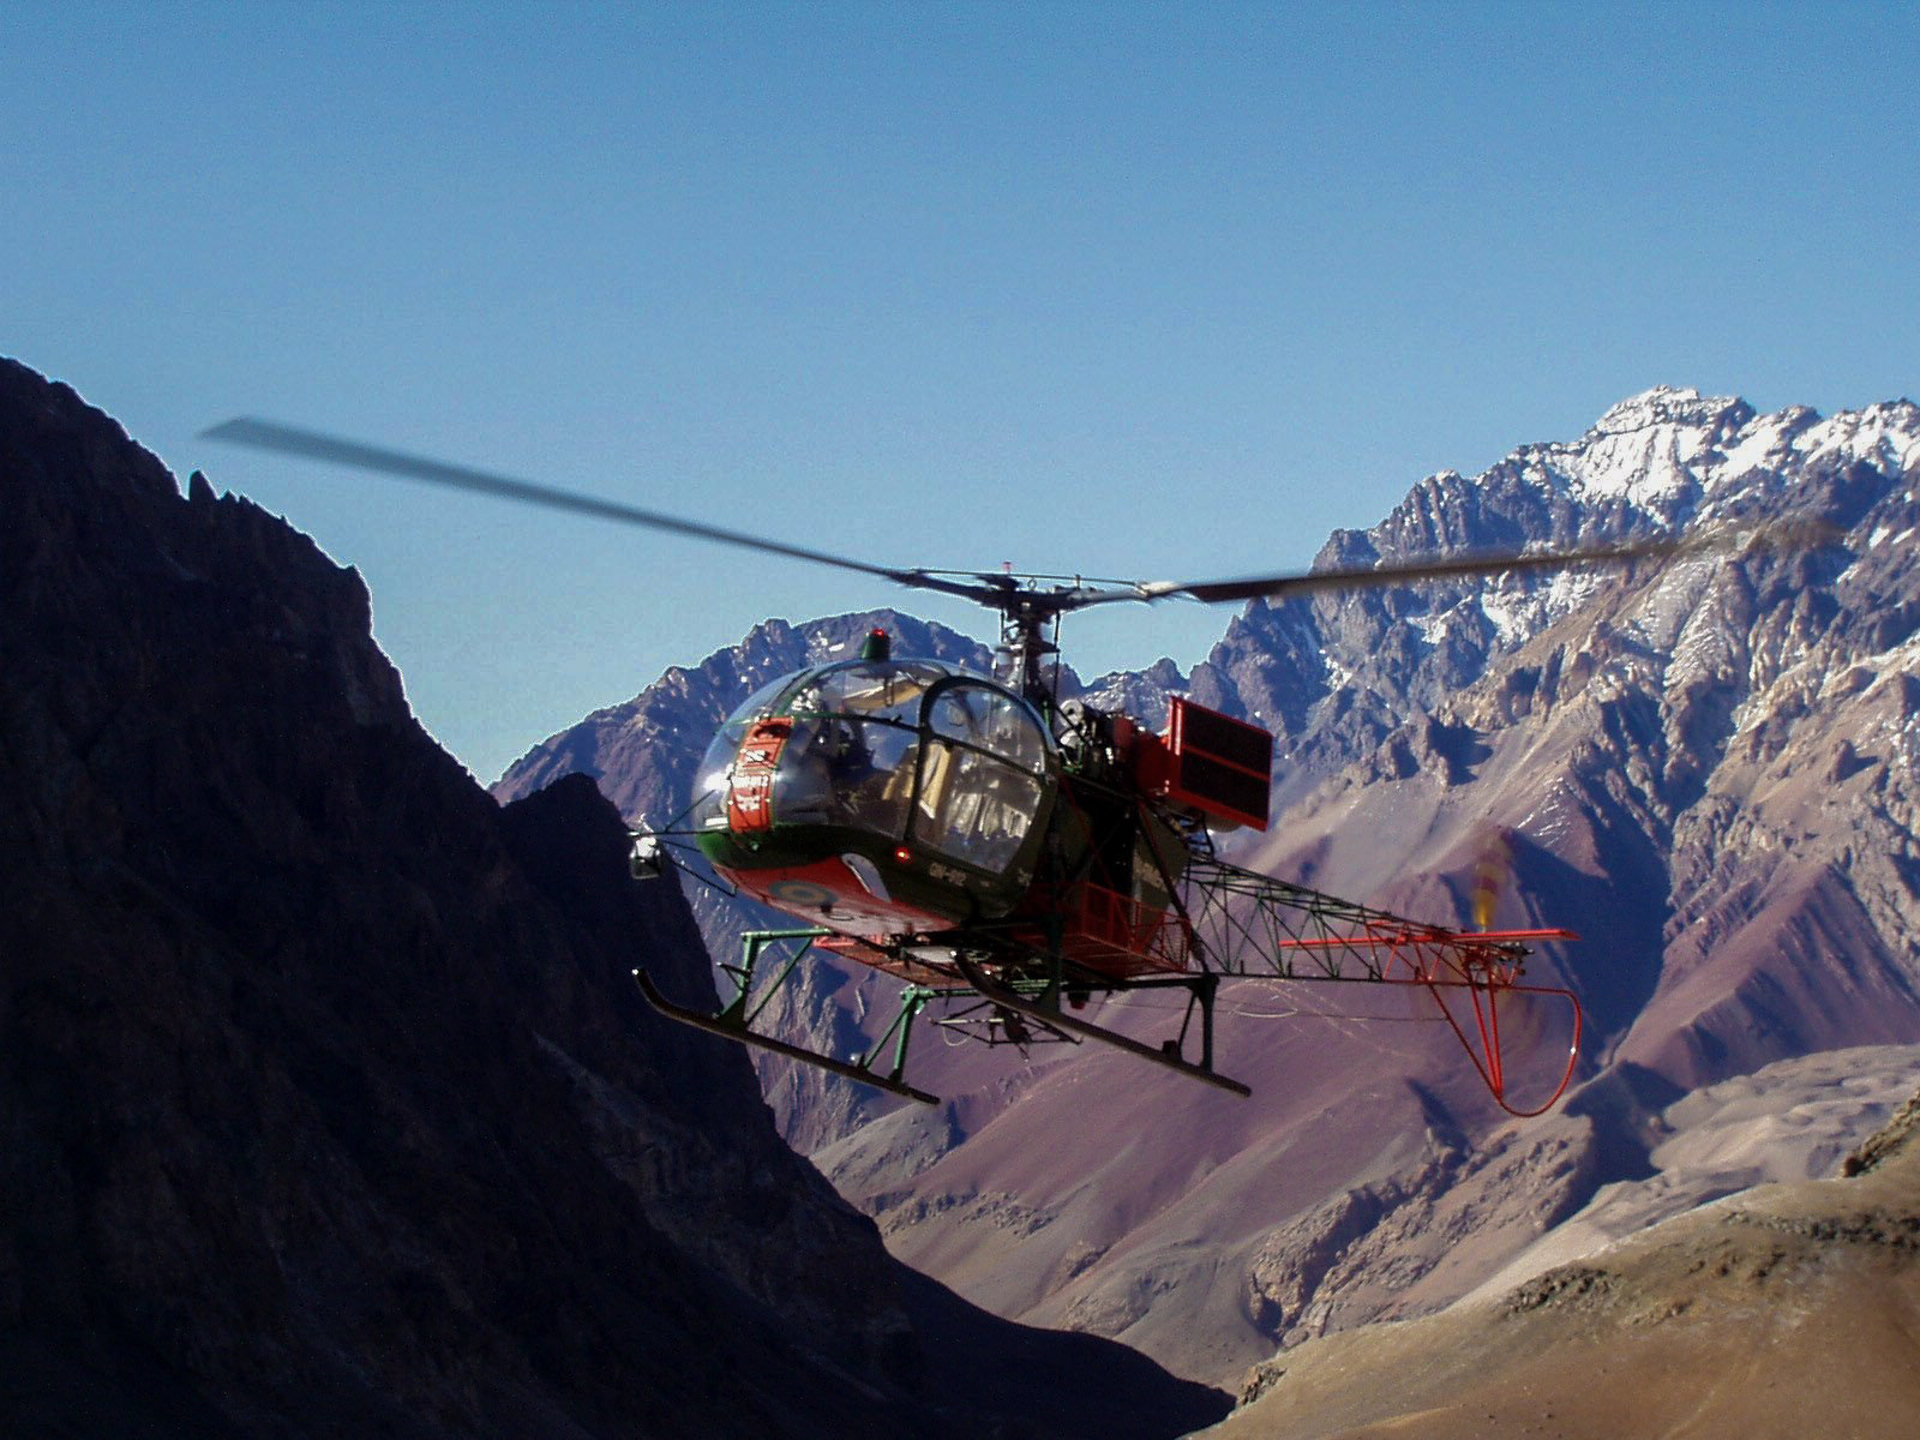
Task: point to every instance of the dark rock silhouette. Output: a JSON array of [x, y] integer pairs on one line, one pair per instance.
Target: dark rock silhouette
[[328, 1106]]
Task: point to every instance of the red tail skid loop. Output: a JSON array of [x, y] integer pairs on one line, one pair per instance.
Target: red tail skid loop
[[1488, 1059]]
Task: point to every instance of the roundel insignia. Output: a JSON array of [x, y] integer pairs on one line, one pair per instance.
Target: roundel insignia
[[800, 892]]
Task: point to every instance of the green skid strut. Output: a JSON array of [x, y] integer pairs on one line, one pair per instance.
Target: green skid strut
[[735, 1018]]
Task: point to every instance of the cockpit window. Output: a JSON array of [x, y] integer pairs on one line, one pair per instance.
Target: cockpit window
[[979, 774], [838, 770], [989, 719], [761, 700], [869, 690], [892, 748]]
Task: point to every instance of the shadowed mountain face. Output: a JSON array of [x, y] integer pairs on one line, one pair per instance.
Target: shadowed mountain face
[[1706, 766], [327, 1106]]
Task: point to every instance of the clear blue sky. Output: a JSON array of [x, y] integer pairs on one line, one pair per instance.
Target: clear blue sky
[[1160, 291]]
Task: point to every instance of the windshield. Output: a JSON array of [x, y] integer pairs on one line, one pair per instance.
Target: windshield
[[892, 748], [886, 690]]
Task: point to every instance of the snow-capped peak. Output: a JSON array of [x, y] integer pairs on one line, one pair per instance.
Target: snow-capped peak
[[1887, 433], [1668, 450], [1669, 405], [1649, 450]]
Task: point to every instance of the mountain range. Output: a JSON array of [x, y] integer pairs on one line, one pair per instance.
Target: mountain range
[[1704, 764]]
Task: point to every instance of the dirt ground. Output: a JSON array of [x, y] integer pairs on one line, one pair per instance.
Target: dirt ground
[[1786, 1310]]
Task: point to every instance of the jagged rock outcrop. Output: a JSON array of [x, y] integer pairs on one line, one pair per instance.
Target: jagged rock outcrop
[[326, 1104]]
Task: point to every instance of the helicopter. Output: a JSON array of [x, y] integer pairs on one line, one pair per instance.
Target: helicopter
[[1011, 856]]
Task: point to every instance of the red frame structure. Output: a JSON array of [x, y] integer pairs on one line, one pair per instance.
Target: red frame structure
[[1252, 925]]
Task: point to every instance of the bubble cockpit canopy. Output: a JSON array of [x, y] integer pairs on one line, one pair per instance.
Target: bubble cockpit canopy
[[912, 752]]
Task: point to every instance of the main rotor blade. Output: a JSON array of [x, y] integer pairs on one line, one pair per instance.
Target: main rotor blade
[[1444, 567], [311, 445], [1005, 593]]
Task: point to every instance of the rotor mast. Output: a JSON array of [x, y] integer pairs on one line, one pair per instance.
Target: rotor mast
[[1025, 619]]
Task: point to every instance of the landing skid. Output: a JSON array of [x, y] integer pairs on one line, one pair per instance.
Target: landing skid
[[737, 1030], [1054, 1016], [1037, 1006], [736, 1022]]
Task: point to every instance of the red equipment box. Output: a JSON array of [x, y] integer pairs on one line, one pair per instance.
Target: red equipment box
[[1209, 762]]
